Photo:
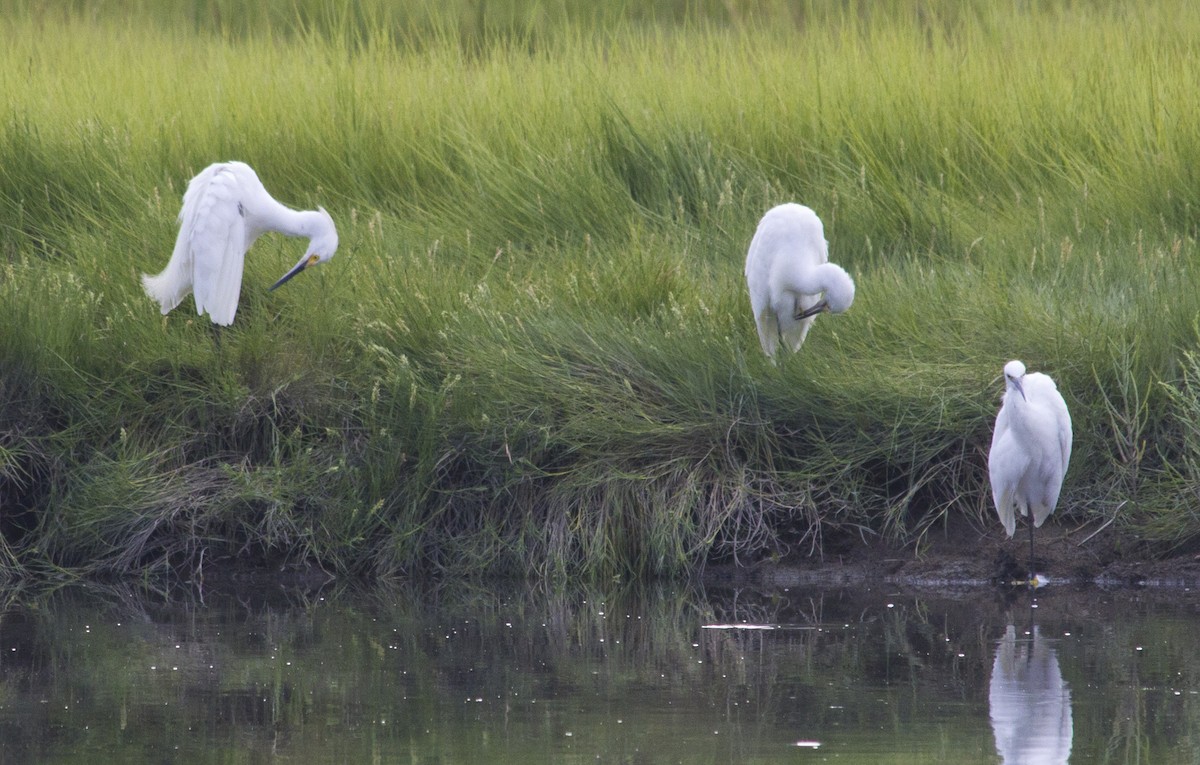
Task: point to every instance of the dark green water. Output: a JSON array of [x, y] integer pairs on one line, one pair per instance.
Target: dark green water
[[659, 675]]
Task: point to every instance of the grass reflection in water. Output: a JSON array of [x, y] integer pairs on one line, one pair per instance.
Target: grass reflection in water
[[465, 675]]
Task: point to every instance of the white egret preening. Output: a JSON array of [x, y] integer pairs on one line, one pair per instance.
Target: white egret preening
[[790, 277], [225, 208], [1031, 448]]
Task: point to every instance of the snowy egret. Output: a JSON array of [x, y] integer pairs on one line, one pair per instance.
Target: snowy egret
[[225, 208], [790, 277], [1031, 447]]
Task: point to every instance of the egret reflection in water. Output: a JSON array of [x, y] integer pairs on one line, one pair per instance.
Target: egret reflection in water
[[1029, 703]]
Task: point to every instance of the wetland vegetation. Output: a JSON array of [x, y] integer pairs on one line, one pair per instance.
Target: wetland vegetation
[[533, 351]]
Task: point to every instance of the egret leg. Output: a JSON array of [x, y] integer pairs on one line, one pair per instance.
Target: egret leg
[[217, 332]]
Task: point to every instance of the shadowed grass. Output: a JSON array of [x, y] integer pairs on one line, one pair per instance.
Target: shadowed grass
[[533, 351]]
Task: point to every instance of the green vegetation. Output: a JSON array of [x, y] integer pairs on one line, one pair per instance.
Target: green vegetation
[[533, 348]]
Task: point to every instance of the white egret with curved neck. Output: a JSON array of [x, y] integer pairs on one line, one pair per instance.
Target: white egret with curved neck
[[790, 277], [1031, 447], [226, 208]]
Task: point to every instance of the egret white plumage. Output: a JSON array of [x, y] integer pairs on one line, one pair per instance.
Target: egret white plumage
[[226, 208], [1031, 447], [790, 277]]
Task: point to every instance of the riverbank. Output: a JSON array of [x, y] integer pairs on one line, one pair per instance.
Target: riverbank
[[533, 354], [966, 556]]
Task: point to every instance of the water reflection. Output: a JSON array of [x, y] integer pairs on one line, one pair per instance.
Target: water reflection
[[1029, 704], [459, 675]]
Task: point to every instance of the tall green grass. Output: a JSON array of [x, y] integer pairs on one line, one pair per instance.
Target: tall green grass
[[533, 350]]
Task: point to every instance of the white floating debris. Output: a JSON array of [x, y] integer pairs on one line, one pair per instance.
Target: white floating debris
[[808, 744], [739, 626]]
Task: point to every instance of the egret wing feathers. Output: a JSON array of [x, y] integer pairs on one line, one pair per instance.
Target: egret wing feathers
[[1054, 424], [789, 277], [1031, 448], [170, 286], [1005, 459], [217, 239], [225, 209]]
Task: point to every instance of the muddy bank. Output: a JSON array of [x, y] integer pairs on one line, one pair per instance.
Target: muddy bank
[[962, 554]]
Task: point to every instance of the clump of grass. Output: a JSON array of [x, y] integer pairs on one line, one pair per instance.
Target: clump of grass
[[533, 351]]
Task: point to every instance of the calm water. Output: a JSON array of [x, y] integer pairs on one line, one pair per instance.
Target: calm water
[[458, 675]]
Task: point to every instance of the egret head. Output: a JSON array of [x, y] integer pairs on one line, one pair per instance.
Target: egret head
[[838, 291], [323, 243], [1014, 372]]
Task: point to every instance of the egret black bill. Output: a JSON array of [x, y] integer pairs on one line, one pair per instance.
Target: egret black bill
[[310, 260], [820, 307], [1020, 388]]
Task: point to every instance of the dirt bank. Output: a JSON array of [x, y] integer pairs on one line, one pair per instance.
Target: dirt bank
[[961, 554]]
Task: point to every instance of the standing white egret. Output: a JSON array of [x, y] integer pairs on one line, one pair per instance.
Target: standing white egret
[[1031, 447], [790, 277], [225, 208]]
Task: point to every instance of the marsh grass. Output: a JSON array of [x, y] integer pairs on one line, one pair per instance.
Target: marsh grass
[[533, 351]]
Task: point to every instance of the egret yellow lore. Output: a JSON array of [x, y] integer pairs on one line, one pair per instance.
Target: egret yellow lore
[[1031, 447], [790, 277], [225, 209]]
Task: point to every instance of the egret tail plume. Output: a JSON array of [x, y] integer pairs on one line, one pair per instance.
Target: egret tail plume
[[165, 289]]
